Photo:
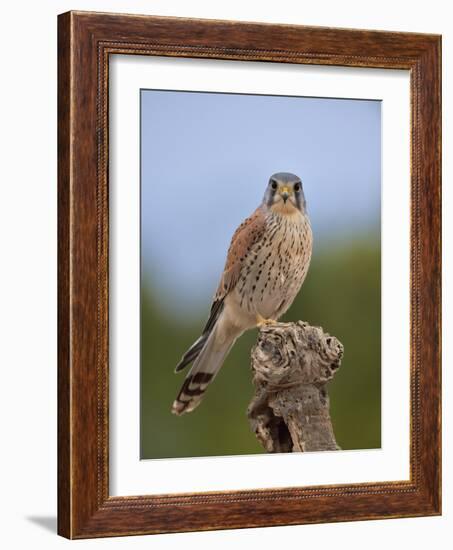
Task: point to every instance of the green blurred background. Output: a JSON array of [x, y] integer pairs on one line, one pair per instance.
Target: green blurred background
[[341, 294], [200, 178]]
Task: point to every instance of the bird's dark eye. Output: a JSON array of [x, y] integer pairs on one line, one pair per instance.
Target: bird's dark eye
[[297, 187], [274, 185]]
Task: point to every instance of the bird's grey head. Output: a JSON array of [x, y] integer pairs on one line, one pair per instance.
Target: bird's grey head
[[285, 194]]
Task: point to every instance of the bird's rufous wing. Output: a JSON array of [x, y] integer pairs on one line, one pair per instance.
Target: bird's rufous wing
[[246, 235]]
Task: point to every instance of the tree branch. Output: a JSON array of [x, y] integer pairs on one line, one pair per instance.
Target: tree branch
[[291, 365]]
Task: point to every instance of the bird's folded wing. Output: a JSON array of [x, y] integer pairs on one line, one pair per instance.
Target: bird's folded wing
[[245, 237]]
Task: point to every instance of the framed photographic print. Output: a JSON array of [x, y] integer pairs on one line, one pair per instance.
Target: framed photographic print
[[256, 207]]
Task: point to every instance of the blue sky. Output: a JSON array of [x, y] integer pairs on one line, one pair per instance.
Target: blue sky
[[206, 160]]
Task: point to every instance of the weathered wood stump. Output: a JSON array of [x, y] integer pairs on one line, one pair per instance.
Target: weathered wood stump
[[291, 365]]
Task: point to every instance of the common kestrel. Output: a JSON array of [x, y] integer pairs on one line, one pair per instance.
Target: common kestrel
[[266, 265]]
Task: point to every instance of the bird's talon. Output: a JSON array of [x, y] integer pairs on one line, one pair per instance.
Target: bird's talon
[[262, 322]]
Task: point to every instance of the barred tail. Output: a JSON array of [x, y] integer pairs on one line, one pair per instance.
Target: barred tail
[[202, 373]]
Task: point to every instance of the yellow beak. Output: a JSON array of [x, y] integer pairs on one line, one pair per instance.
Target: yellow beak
[[285, 193]]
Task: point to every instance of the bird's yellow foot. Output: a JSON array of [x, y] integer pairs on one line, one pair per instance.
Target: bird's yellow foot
[[262, 322]]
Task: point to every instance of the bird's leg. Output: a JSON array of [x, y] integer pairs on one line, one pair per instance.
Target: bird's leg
[[262, 322]]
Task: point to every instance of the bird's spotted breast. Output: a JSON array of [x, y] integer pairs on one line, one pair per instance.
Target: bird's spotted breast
[[275, 267]]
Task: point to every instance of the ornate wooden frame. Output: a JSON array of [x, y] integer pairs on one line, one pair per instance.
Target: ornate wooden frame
[[85, 41]]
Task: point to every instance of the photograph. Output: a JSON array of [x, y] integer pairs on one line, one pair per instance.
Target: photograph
[[249, 272], [226, 258], [256, 210]]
